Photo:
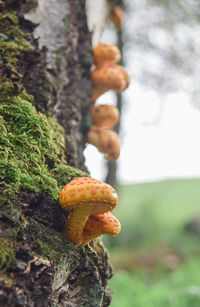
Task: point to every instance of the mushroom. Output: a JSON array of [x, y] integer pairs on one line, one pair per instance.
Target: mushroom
[[105, 115], [93, 137], [112, 77], [117, 17], [106, 141], [106, 54], [97, 225], [110, 144], [86, 196]]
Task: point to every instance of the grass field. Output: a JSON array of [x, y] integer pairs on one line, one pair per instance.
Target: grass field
[[156, 261], [180, 287]]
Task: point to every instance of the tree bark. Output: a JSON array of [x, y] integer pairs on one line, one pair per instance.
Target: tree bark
[[45, 90]]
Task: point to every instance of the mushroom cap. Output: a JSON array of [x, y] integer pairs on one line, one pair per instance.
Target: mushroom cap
[[117, 17], [105, 115], [105, 54], [104, 223], [81, 191], [112, 77]]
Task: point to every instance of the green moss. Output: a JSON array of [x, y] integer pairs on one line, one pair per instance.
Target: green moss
[[12, 43], [48, 244], [48, 250], [7, 253], [29, 142], [64, 173], [32, 149]]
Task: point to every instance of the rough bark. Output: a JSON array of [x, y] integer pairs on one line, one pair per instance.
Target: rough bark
[[45, 91]]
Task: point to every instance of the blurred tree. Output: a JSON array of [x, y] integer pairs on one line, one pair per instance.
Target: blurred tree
[[161, 48], [162, 45]]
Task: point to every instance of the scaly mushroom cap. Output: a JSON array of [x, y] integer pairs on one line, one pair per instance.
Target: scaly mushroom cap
[[117, 17], [82, 191], [112, 77], [100, 224], [105, 54], [104, 223], [110, 144], [105, 115], [86, 196]]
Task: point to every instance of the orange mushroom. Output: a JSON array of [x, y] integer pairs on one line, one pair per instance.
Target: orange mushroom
[[110, 144], [105, 115], [105, 54], [86, 196], [117, 17], [93, 137], [106, 141], [97, 225], [112, 77]]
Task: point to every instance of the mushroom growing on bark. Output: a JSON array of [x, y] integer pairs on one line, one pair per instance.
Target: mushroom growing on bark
[[106, 54], [86, 197], [97, 225], [111, 77], [106, 141], [105, 115]]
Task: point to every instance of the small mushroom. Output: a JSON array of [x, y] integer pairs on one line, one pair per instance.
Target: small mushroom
[[117, 17], [112, 77], [86, 197], [106, 54], [106, 140], [93, 137], [105, 115], [97, 225], [110, 144]]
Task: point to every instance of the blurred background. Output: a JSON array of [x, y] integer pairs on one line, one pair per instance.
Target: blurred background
[[156, 257]]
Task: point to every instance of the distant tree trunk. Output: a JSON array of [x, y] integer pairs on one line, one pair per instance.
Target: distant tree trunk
[[45, 92]]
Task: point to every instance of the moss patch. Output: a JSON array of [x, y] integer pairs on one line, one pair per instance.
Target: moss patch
[[12, 43], [32, 149], [47, 243], [7, 253]]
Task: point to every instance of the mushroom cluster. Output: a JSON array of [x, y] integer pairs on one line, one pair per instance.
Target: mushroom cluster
[[106, 75], [90, 202]]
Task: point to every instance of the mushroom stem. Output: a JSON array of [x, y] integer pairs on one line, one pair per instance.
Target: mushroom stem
[[75, 223], [89, 235]]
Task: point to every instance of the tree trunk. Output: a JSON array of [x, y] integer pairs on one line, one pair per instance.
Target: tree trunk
[[45, 90]]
